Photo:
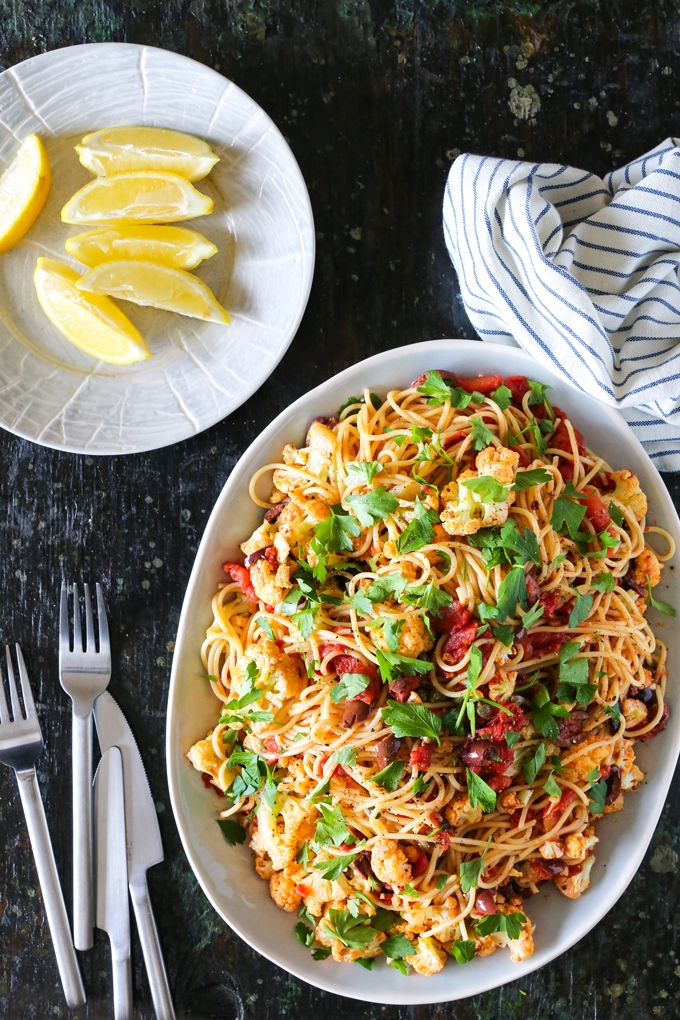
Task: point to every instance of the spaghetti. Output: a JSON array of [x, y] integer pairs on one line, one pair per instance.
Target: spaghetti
[[434, 664]]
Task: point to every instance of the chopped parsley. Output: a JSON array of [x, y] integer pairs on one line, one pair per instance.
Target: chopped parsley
[[581, 609], [527, 479], [532, 766], [471, 870], [543, 711], [480, 792], [463, 950], [396, 947], [568, 514], [373, 507], [351, 931], [345, 756], [481, 435], [363, 471], [503, 397], [335, 534], [332, 829], [348, 686], [487, 489], [605, 582], [407, 720], [232, 831], [511, 924], [334, 867], [573, 675], [420, 531], [662, 607], [389, 777], [392, 665]]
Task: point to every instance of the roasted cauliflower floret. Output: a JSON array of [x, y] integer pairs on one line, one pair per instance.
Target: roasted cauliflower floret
[[413, 638], [573, 886], [587, 760], [577, 845], [634, 712], [551, 850], [429, 959], [259, 539], [521, 948], [282, 837], [465, 511], [202, 756], [316, 891], [631, 775], [459, 811], [628, 492], [279, 675], [389, 863], [264, 867], [647, 565], [283, 891], [297, 780], [321, 450], [421, 919], [271, 586], [502, 686]]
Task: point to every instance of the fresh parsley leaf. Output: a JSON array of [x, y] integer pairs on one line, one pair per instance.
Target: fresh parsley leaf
[[361, 602], [321, 791], [542, 712], [435, 387], [418, 786], [662, 607], [527, 479], [397, 947], [615, 712], [460, 398], [389, 777], [266, 626], [597, 795], [391, 630], [374, 506], [580, 609], [441, 882], [351, 931], [511, 924], [573, 675], [349, 685], [481, 435], [362, 471], [615, 514], [512, 590], [345, 756], [524, 546], [375, 401], [504, 634], [420, 433], [407, 720], [333, 868], [388, 586], [383, 919], [232, 831], [420, 531], [302, 857], [605, 582], [463, 950], [322, 953], [304, 621], [392, 665], [487, 489], [533, 765], [533, 614], [470, 871], [480, 792], [429, 596], [304, 934], [400, 966], [537, 392], [366, 962], [503, 397], [551, 787], [567, 513], [336, 532], [511, 738], [332, 829]]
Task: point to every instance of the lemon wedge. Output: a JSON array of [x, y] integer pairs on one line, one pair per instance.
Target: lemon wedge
[[175, 247], [122, 149], [145, 283], [94, 324], [23, 190], [144, 197]]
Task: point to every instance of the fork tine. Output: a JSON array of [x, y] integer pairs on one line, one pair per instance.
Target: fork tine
[[14, 694], [104, 646], [89, 625], [64, 633], [77, 635], [29, 703], [4, 711]]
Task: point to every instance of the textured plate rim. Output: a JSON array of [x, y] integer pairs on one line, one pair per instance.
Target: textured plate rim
[[654, 798], [305, 291]]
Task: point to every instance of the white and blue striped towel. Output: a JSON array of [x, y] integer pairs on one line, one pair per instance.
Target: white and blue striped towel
[[582, 273]]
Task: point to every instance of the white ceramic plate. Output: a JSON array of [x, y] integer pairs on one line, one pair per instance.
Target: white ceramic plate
[[53, 394], [227, 874]]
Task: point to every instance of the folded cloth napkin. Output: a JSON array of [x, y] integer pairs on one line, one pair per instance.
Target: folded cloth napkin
[[582, 273]]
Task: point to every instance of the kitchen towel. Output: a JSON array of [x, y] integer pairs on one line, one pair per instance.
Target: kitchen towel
[[582, 273]]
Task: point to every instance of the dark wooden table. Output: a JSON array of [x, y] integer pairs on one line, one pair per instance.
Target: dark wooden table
[[375, 98]]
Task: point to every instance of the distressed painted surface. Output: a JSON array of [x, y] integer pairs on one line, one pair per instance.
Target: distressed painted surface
[[375, 99]]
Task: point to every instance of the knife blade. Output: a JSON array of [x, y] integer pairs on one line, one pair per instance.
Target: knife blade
[[112, 911], [144, 846]]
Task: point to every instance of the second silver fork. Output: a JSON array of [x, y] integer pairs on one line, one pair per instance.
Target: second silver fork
[[84, 673]]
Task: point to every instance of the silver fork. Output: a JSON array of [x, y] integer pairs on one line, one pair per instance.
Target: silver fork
[[21, 744], [84, 675]]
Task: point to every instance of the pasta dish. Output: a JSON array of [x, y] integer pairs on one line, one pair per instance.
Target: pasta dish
[[434, 663]]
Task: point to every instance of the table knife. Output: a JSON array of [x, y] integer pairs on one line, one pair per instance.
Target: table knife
[[144, 845], [112, 910]]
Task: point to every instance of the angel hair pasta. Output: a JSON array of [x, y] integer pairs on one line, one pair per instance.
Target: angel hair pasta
[[434, 665]]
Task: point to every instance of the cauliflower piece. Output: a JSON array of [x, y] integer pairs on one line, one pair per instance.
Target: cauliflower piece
[[459, 811], [634, 712], [488, 944], [647, 565], [578, 844], [283, 891], [202, 756], [297, 780], [316, 891], [521, 948], [588, 760], [429, 959], [321, 450], [500, 463], [259, 539], [264, 867], [573, 886], [389, 863], [413, 637], [510, 802], [502, 686], [627, 491], [421, 919], [279, 674], [551, 850], [281, 837], [631, 775], [271, 586], [464, 512]]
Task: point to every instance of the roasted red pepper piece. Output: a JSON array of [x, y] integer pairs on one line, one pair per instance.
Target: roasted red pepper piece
[[596, 511], [421, 757], [552, 812], [518, 386], [241, 575], [482, 384], [560, 437], [502, 723], [457, 643]]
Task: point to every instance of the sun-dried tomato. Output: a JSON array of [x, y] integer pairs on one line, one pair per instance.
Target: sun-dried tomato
[[501, 723], [350, 664], [499, 783], [451, 618], [272, 747], [552, 812], [516, 818], [596, 511], [450, 440], [458, 642], [208, 783], [443, 838], [271, 555], [481, 384], [419, 866], [518, 386], [560, 438], [421, 757], [370, 694], [548, 599], [241, 575], [546, 642]]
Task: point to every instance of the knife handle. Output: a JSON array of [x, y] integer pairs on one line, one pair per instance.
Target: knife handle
[[153, 957], [83, 892], [122, 987], [53, 897]]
